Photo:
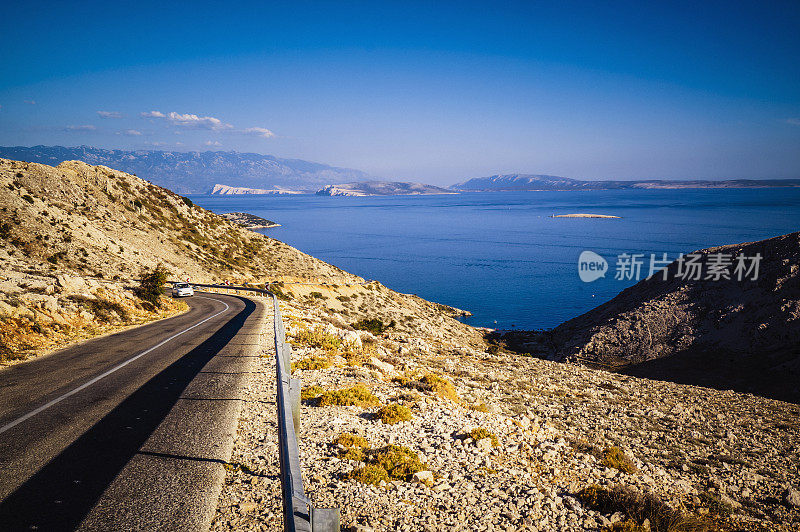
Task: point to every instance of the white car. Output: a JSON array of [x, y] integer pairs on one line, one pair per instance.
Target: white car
[[182, 290]]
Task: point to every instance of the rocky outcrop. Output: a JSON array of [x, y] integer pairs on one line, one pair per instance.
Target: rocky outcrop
[[381, 188], [225, 190], [730, 333]]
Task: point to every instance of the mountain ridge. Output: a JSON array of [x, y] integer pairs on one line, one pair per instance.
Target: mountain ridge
[[540, 182], [196, 172]]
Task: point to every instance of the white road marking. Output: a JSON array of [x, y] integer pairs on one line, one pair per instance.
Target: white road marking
[[109, 372]]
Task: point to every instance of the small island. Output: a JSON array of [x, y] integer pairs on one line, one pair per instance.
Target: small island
[[250, 221], [583, 215]]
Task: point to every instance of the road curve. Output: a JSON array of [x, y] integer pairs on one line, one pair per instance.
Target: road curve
[[128, 431]]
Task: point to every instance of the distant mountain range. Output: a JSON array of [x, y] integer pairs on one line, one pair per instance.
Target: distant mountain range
[[197, 172], [550, 182], [381, 188], [244, 173]]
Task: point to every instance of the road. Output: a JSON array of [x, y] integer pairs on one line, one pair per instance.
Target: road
[[128, 431]]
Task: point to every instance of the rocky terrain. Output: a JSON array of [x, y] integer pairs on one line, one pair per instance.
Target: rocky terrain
[[250, 221], [408, 431], [550, 182], [196, 172], [728, 333], [381, 188]]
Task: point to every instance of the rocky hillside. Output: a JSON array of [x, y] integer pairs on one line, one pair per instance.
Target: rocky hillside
[[381, 188], [92, 222], [410, 431], [727, 333], [196, 172]]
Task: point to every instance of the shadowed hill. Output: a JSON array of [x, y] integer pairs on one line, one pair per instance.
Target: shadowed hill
[[725, 333]]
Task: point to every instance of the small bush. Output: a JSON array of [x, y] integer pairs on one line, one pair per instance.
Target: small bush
[[438, 385], [616, 458], [481, 433], [637, 507], [374, 325], [311, 363], [358, 395], [27, 198], [311, 392], [151, 285], [369, 474], [317, 338], [187, 201], [393, 414], [346, 439]]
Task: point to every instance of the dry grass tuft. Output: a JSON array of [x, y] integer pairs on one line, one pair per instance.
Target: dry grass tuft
[[639, 507]]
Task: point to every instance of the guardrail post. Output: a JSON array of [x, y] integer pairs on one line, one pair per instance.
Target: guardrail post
[[325, 520], [294, 403]]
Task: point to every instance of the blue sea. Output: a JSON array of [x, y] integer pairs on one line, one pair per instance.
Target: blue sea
[[501, 255]]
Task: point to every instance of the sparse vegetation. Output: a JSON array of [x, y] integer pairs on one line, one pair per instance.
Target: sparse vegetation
[[481, 433], [373, 325], [639, 506], [310, 393], [318, 338], [311, 363], [392, 462]]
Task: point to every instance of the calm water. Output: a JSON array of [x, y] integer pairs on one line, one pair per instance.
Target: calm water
[[500, 255]]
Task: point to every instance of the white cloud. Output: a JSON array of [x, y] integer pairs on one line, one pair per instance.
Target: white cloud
[[259, 132], [153, 114], [132, 133], [81, 128], [30, 102], [793, 121], [213, 143], [109, 114], [191, 121]]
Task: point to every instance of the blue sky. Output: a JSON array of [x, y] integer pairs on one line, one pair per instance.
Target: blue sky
[[436, 92]]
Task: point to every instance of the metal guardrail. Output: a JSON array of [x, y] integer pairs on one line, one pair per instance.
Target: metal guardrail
[[299, 515]]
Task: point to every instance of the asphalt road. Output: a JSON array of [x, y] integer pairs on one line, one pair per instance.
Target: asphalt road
[[128, 431]]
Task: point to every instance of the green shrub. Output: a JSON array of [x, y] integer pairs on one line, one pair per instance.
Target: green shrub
[[481, 433], [437, 385], [369, 474], [311, 363], [27, 198], [346, 439], [103, 309], [358, 395], [317, 338], [187, 201], [616, 458], [151, 285], [393, 414], [311, 392], [374, 325]]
